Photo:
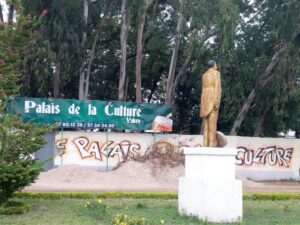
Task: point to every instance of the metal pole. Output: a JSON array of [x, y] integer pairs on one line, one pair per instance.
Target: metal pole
[[106, 150], [60, 153]]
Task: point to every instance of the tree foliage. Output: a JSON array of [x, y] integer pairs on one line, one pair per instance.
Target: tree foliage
[[256, 45], [18, 141]]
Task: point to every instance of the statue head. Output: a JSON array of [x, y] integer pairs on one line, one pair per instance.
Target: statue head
[[212, 64]]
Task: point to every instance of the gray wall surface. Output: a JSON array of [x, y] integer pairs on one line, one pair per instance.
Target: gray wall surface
[[47, 151]]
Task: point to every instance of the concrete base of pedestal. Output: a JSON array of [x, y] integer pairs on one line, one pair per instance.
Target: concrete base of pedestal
[[209, 189], [212, 201]]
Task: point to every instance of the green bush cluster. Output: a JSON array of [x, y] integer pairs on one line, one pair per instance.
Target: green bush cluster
[[14, 207], [137, 195], [272, 196], [96, 208], [124, 219], [90, 195], [55, 195], [18, 144], [143, 195]]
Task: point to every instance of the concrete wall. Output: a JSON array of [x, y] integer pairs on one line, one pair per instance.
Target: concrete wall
[[257, 158], [46, 153]]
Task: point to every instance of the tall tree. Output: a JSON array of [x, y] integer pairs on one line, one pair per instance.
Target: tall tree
[[60, 28], [139, 49], [10, 15], [18, 141], [1, 16], [81, 93], [123, 39], [89, 54], [175, 50], [284, 39]]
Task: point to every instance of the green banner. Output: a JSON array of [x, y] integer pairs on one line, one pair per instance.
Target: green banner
[[91, 113]]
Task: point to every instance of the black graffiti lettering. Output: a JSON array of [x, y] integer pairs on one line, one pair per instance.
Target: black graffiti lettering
[[134, 151], [125, 149], [117, 152], [249, 157], [258, 155], [61, 144], [271, 155], [288, 154], [81, 143], [106, 148], [280, 155], [240, 155], [94, 150], [266, 151], [272, 159]]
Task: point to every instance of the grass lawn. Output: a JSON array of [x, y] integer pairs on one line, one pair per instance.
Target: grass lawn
[[79, 212]]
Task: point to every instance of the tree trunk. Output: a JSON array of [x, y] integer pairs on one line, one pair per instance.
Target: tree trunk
[[264, 80], [56, 75], [88, 72], [123, 39], [1, 16], [155, 4], [85, 77], [139, 54], [261, 121], [173, 62], [242, 114], [11, 14], [126, 88], [85, 19], [84, 35], [187, 61], [150, 29], [81, 84], [181, 72]]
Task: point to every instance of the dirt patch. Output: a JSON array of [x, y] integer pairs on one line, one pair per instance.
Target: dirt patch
[[133, 176]]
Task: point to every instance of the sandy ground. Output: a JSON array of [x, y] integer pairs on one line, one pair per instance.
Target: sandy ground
[[133, 176]]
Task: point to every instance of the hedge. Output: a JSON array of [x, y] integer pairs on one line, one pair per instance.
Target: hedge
[[271, 196], [144, 195], [14, 207]]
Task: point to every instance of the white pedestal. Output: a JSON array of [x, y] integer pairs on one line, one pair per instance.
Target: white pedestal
[[209, 189]]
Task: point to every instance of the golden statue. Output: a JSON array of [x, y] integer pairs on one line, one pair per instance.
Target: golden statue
[[210, 103]]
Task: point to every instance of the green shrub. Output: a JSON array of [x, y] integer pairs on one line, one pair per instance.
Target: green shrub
[[96, 208], [90, 195], [137, 195], [142, 195], [272, 196], [123, 218], [56, 195], [14, 207], [18, 142], [141, 205]]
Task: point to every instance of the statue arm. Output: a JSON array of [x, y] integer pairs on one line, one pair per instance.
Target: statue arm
[[218, 90]]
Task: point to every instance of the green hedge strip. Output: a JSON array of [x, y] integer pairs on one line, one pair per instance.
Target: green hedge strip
[[271, 196], [144, 195], [14, 207]]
